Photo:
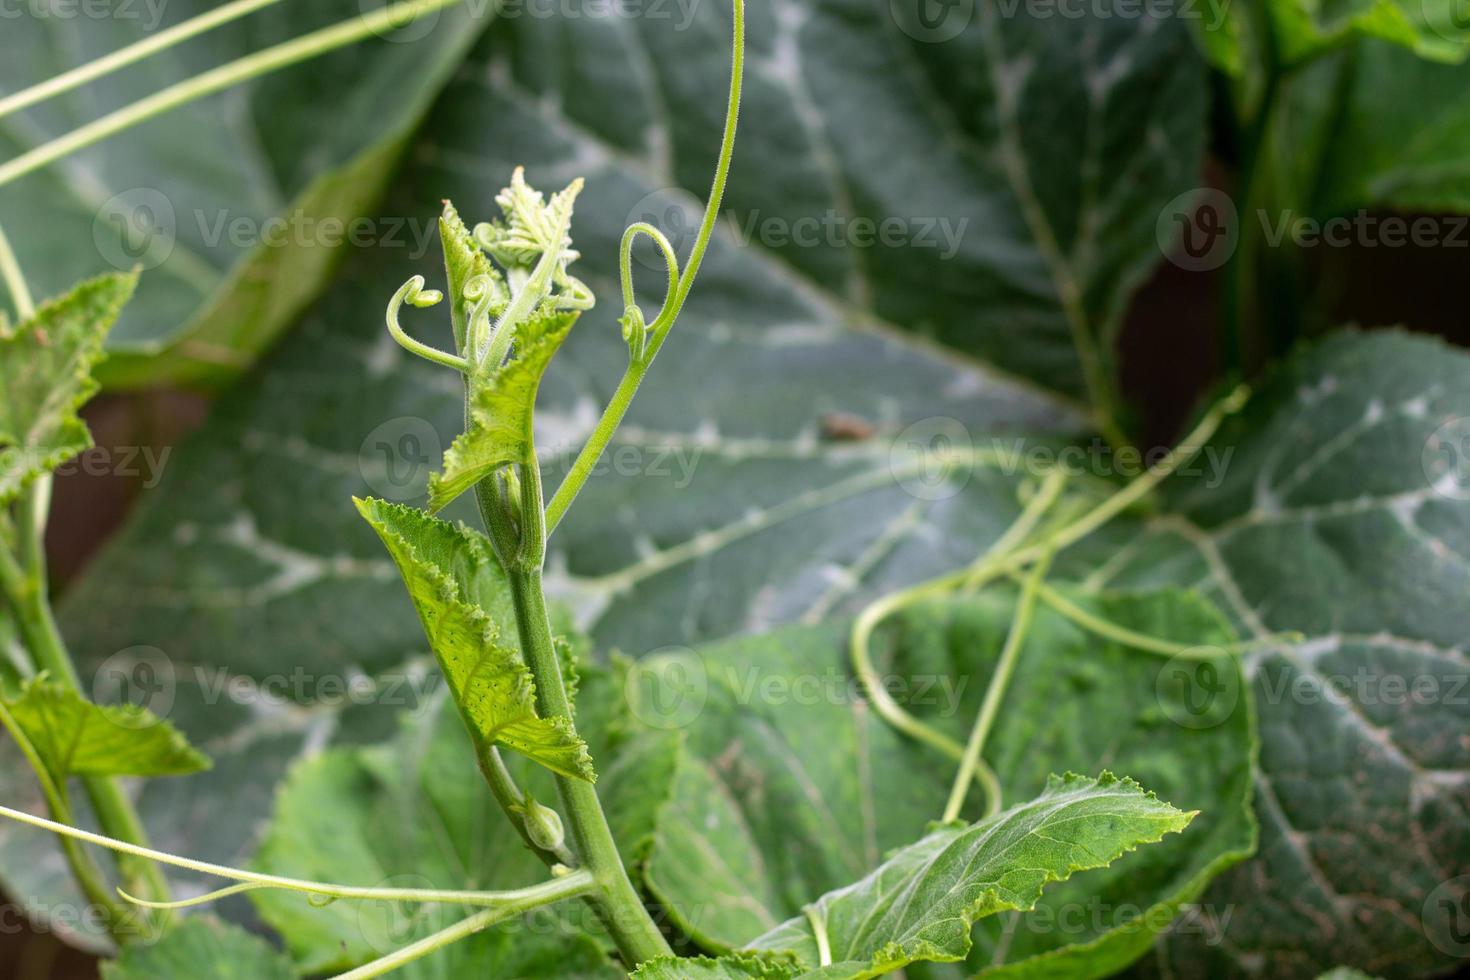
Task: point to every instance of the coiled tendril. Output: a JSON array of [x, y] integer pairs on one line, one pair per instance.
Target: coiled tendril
[[414, 294], [636, 329]]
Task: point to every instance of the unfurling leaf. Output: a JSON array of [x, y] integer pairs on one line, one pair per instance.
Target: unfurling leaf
[[75, 737], [501, 410], [46, 366], [920, 904], [453, 577]]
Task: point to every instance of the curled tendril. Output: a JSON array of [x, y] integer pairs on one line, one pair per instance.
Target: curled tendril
[[414, 294], [635, 327], [481, 292]]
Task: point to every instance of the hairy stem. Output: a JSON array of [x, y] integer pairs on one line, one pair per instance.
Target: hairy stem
[[208, 83], [618, 903], [106, 65]]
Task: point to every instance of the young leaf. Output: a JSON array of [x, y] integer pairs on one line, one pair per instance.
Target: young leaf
[[75, 737], [920, 904], [199, 947], [449, 571], [465, 262], [409, 813], [501, 411], [1344, 514], [46, 367]]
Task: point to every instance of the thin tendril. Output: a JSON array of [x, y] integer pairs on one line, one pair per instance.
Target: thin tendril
[[573, 885], [671, 264], [414, 294], [15, 280], [995, 693], [259, 880], [617, 406], [981, 571], [1146, 642], [131, 54], [309, 46]]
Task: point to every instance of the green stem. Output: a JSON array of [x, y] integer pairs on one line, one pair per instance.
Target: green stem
[[995, 693], [131, 54], [1241, 295], [618, 903], [574, 885], [218, 79], [617, 407]]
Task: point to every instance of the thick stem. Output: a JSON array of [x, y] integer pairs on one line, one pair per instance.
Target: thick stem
[[617, 902]]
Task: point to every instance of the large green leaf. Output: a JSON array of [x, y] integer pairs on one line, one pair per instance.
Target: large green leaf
[[1345, 142], [447, 569], [1345, 514], [46, 364], [412, 813], [920, 903], [772, 724], [1080, 701], [240, 205], [201, 947], [75, 737]]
